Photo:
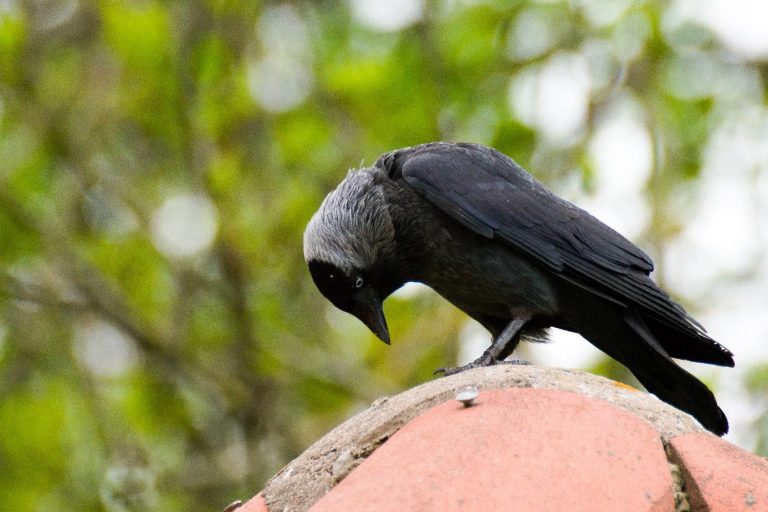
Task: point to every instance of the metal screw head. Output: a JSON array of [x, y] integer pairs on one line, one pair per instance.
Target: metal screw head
[[467, 395]]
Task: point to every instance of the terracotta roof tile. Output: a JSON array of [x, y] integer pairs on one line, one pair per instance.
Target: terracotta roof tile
[[536, 439], [720, 476], [516, 449]]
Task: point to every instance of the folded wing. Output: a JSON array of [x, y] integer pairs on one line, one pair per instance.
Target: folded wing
[[491, 195]]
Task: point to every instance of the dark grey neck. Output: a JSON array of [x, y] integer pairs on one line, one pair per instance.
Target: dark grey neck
[[420, 229]]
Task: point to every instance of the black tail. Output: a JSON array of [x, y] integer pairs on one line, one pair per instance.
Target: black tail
[[691, 345], [623, 335]]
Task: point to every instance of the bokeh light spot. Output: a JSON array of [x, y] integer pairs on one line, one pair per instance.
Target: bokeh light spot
[[104, 350], [387, 15], [184, 225]]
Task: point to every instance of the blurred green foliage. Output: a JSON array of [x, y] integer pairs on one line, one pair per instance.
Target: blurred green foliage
[[132, 378]]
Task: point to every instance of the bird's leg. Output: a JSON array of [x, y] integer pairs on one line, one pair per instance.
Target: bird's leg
[[510, 335]]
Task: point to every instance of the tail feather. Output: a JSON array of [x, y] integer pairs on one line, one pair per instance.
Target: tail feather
[[673, 384], [624, 335], [691, 346]]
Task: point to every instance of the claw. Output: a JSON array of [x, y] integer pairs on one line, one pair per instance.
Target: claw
[[481, 362], [458, 369]]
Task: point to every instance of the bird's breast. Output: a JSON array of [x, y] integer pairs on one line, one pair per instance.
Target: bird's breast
[[477, 274], [486, 277]]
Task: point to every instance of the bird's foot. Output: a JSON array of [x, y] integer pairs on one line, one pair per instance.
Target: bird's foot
[[458, 369], [480, 362]]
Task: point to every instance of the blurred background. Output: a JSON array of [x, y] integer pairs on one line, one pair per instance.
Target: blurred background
[[162, 346]]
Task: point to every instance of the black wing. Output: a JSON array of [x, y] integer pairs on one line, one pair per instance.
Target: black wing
[[490, 194]]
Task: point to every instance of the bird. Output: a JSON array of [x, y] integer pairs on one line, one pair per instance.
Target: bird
[[474, 226]]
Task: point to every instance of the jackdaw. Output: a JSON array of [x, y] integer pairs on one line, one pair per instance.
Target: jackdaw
[[470, 223]]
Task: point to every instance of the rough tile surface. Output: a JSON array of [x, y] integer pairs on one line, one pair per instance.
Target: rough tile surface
[[720, 477], [311, 475], [515, 449]]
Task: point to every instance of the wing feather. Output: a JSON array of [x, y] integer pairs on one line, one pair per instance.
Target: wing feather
[[490, 194]]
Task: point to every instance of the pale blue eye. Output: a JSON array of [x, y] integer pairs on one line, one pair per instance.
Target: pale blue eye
[[359, 282]]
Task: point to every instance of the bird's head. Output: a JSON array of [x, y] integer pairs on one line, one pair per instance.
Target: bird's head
[[349, 246], [353, 292]]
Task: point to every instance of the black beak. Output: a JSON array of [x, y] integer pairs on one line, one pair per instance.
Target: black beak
[[367, 307]]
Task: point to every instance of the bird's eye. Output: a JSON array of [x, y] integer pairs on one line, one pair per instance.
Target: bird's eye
[[358, 282], [331, 276]]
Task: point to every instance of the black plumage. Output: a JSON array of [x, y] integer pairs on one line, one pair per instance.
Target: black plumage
[[469, 222]]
